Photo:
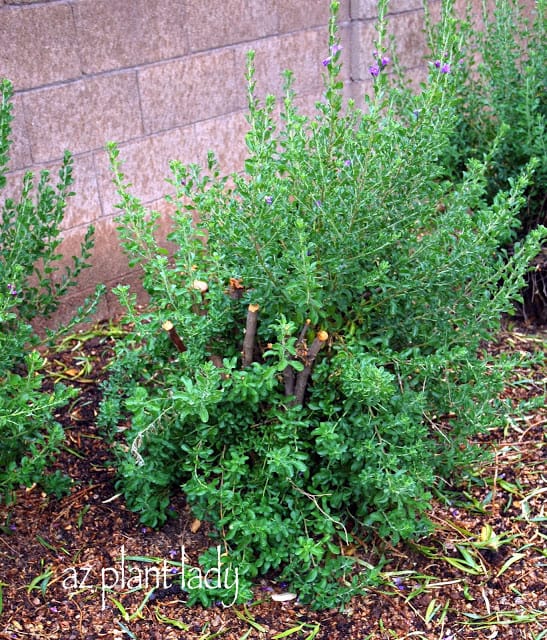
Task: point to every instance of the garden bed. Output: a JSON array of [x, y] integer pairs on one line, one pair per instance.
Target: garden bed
[[480, 574]]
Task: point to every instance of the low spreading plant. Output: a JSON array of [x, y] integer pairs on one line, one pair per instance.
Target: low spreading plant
[[29, 242], [312, 360]]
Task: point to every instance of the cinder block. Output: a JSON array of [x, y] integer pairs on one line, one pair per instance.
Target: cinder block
[[301, 52], [83, 207], [190, 89], [226, 137], [38, 45], [367, 9], [363, 9], [344, 13], [145, 164], [107, 260], [214, 24], [295, 16], [19, 155], [114, 35], [82, 116], [410, 38], [364, 37], [16, 2]]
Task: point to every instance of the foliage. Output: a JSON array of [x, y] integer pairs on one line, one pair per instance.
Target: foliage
[[504, 75], [371, 268], [29, 242]]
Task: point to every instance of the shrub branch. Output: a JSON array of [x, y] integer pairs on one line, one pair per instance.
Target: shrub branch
[[250, 334], [173, 336], [303, 376]]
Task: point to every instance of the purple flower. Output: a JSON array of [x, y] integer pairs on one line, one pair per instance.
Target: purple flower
[[11, 289], [385, 61], [326, 62], [347, 163], [437, 63], [374, 70], [335, 48], [445, 68], [399, 583], [268, 199], [317, 203]]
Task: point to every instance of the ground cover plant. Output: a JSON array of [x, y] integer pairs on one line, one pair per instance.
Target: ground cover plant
[[29, 289], [311, 366]]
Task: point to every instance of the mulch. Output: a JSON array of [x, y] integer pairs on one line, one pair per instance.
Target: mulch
[[461, 582]]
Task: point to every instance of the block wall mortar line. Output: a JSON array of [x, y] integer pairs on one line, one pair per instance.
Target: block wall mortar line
[[139, 100], [77, 34]]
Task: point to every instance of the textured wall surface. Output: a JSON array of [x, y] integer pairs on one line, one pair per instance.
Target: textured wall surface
[[164, 79]]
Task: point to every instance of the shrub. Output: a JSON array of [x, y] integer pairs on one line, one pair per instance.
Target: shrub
[[29, 240], [311, 363], [503, 89]]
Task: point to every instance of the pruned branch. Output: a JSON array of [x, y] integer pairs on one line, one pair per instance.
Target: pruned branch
[[250, 334], [202, 287], [236, 289], [289, 380], [303, 332], [303, 376], [289, 374], [173, 335]]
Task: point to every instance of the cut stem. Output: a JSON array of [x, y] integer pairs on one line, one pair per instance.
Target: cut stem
[[201, 286], [303, 376], [289, 374], [173, 335], [303, 332], [289, 380], [250, 334]]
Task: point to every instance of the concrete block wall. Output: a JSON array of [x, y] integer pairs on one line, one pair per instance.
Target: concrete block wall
[[164, 79]]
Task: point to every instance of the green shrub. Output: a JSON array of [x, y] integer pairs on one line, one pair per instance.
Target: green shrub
[[29, 240], [503, 87], [373, 281]]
